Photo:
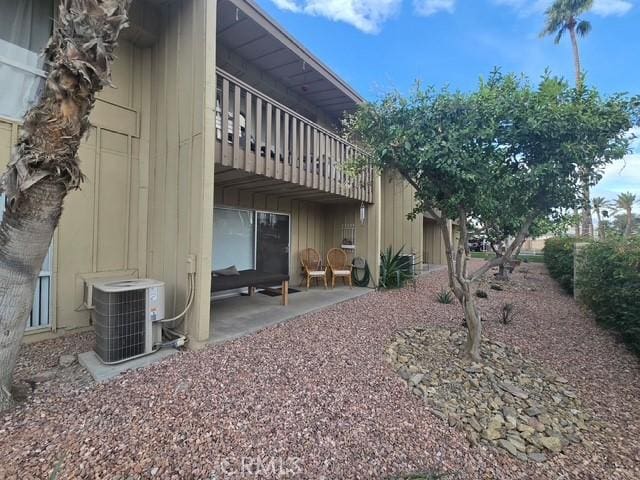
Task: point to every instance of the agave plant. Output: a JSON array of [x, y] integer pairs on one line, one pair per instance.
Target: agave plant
[[395, 272], [445, 296]]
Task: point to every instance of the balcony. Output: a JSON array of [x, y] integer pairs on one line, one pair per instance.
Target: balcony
[[275, 142]]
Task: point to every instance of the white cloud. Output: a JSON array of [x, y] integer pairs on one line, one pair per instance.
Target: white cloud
[[289, 5], [369, 15], [365, 15], [603, 8], [611, 7], [619, 176], [430, 7]]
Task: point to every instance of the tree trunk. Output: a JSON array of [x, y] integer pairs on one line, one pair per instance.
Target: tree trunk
[[600, 226], [25, 236], [576, 53], [503, 271], [628, 229], [44, 166], [474, 326], [587, 219]]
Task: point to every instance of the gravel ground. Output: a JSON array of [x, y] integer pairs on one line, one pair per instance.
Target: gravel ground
[[314, 398]]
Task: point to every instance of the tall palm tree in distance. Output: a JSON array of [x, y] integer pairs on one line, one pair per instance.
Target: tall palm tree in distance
[[561, 17], [599, 204], [625, 202]]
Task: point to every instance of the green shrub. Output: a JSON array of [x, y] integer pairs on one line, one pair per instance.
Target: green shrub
[[558, 256], [608, 282]]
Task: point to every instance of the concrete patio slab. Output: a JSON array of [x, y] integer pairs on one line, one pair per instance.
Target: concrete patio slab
[[102, 373], [235, 317]]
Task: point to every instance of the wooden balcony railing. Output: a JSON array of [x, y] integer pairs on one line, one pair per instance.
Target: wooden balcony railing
[[271, 139]]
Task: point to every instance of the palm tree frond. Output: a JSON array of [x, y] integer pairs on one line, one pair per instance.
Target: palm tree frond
[[626, 200], [599, 202], [559, 34], [583, 28]]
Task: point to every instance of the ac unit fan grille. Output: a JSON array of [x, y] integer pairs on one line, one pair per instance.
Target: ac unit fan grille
[[119, 319]]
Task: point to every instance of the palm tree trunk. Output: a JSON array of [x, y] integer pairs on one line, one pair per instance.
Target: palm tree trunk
[[45, 166], [587, 219], [629, 226], [600, 225], [25, 236], [576, 54]]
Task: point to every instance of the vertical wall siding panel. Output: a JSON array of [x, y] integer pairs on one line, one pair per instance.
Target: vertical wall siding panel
[[183, 133], [135, 211], [75, 239], [112, 202], [171, 213]]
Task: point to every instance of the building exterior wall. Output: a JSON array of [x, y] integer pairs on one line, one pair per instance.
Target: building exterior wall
[[313, 225], [181, 166], [434, 249], [102, 229], [148, 201], [397, 200], [308, 220]]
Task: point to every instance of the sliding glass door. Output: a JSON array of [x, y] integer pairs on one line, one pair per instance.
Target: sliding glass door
[[272, 242]]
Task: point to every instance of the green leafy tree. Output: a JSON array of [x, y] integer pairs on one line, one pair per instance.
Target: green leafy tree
[[561, 17], [504, 150], [625, 201]]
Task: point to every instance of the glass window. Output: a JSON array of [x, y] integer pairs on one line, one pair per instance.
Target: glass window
[[25, 27], [233, 239]]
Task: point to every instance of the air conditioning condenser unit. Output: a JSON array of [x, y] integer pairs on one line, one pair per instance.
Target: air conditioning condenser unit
[[126, 316]]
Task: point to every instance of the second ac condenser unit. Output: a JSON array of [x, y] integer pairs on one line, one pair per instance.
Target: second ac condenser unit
[[126, 314]]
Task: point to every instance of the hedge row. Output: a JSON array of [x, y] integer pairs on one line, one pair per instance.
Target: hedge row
[[608, 281], [558, 256]]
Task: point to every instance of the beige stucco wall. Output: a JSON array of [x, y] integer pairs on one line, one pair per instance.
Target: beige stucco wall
[[397, 200]]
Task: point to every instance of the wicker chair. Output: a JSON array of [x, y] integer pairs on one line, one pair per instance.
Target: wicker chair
[[311, 266], [339, 266]]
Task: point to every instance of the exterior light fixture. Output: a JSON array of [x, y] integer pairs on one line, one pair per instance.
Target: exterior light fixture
[[363, 213]]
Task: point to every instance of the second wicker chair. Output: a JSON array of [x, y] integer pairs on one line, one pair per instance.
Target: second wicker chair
[[339, 266]]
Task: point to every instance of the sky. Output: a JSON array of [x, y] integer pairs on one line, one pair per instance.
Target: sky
[[380, 45]]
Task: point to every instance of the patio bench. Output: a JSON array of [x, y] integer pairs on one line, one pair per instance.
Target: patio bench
[[251, 279]]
